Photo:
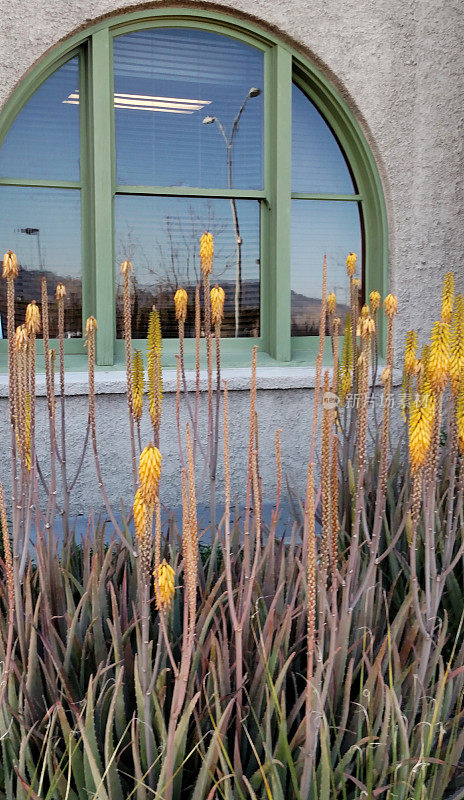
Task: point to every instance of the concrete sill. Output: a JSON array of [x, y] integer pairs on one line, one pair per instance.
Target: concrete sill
[[238, 379]]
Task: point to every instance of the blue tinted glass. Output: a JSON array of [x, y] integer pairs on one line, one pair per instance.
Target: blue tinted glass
[[43, 141], [166, 82], [318, 164], [321, 227], [43, 228], [161, 237]]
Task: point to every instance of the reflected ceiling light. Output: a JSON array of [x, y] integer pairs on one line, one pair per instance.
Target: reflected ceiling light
[[146, 102]]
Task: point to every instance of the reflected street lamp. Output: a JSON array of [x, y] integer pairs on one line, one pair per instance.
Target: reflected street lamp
[[35, 232], [229, 141]]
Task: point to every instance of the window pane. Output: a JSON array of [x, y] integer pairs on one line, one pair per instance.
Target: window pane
[[43, 228], [166, 82], [161, 236], [318, 164], [43, 142], [318, 227]]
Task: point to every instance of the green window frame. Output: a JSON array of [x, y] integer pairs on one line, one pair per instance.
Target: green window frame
[[282, 65]]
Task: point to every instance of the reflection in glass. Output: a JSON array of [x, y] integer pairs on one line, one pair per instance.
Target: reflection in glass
[[166, 81], [318, 164], [318, 227], [161, 236], [43, 228], [43, 141]]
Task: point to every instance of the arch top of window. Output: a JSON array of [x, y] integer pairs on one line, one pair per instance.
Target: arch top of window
[[282, 64]]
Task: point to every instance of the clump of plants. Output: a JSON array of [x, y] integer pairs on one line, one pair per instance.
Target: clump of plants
[[325, 664]]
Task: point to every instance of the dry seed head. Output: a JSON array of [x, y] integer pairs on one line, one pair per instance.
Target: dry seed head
[[149, 473], [180, 304], [351, 264], [366, 324], [217, 303], [386, 375], [21, 338], [447, 298], [60, 291], [126, 266], [391, 305], [331, 303], [164, 585], [457, 345], [420, 430], [90, 326], [10, 265], [410, 349], [206, 253], [439, 360], [140, 515], [374, 299], [137, 385], [32, 318]]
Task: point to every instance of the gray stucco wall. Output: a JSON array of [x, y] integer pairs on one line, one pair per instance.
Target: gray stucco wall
[[400, 67]]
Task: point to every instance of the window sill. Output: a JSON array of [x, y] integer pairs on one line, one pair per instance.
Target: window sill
[[238, 379]]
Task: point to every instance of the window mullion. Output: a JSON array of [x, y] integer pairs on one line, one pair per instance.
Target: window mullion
[[278, 185], [102, 151]]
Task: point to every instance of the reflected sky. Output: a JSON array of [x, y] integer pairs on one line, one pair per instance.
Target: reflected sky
[[43, 142], [318, 227], [43, 227], [166, 81], [318, 164]]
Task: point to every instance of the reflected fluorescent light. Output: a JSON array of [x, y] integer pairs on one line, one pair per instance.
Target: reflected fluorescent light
[[147, 102]]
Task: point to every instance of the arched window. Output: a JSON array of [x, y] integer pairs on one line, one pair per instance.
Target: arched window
[[146, 130]]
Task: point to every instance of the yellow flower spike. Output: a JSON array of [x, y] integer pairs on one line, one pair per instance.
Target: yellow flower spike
[[155, 379], [410, 353], [391, 305], [351, 264], [457, 345], [21, 338], [180, 304], [447, 298], [10, 265], [164, 586], [331, 303], [149, 473], [374, 299], [90, 326], [137, 385], [460, 416], [32, 318], [126, 266], [217, 304], [439, 361], [140, 515], [420, 430], [356, 283], [206, 253], [346, 364], [60, 291]]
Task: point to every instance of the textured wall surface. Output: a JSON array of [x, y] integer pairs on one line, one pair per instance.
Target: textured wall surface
[[400, 67], [290, 410]]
